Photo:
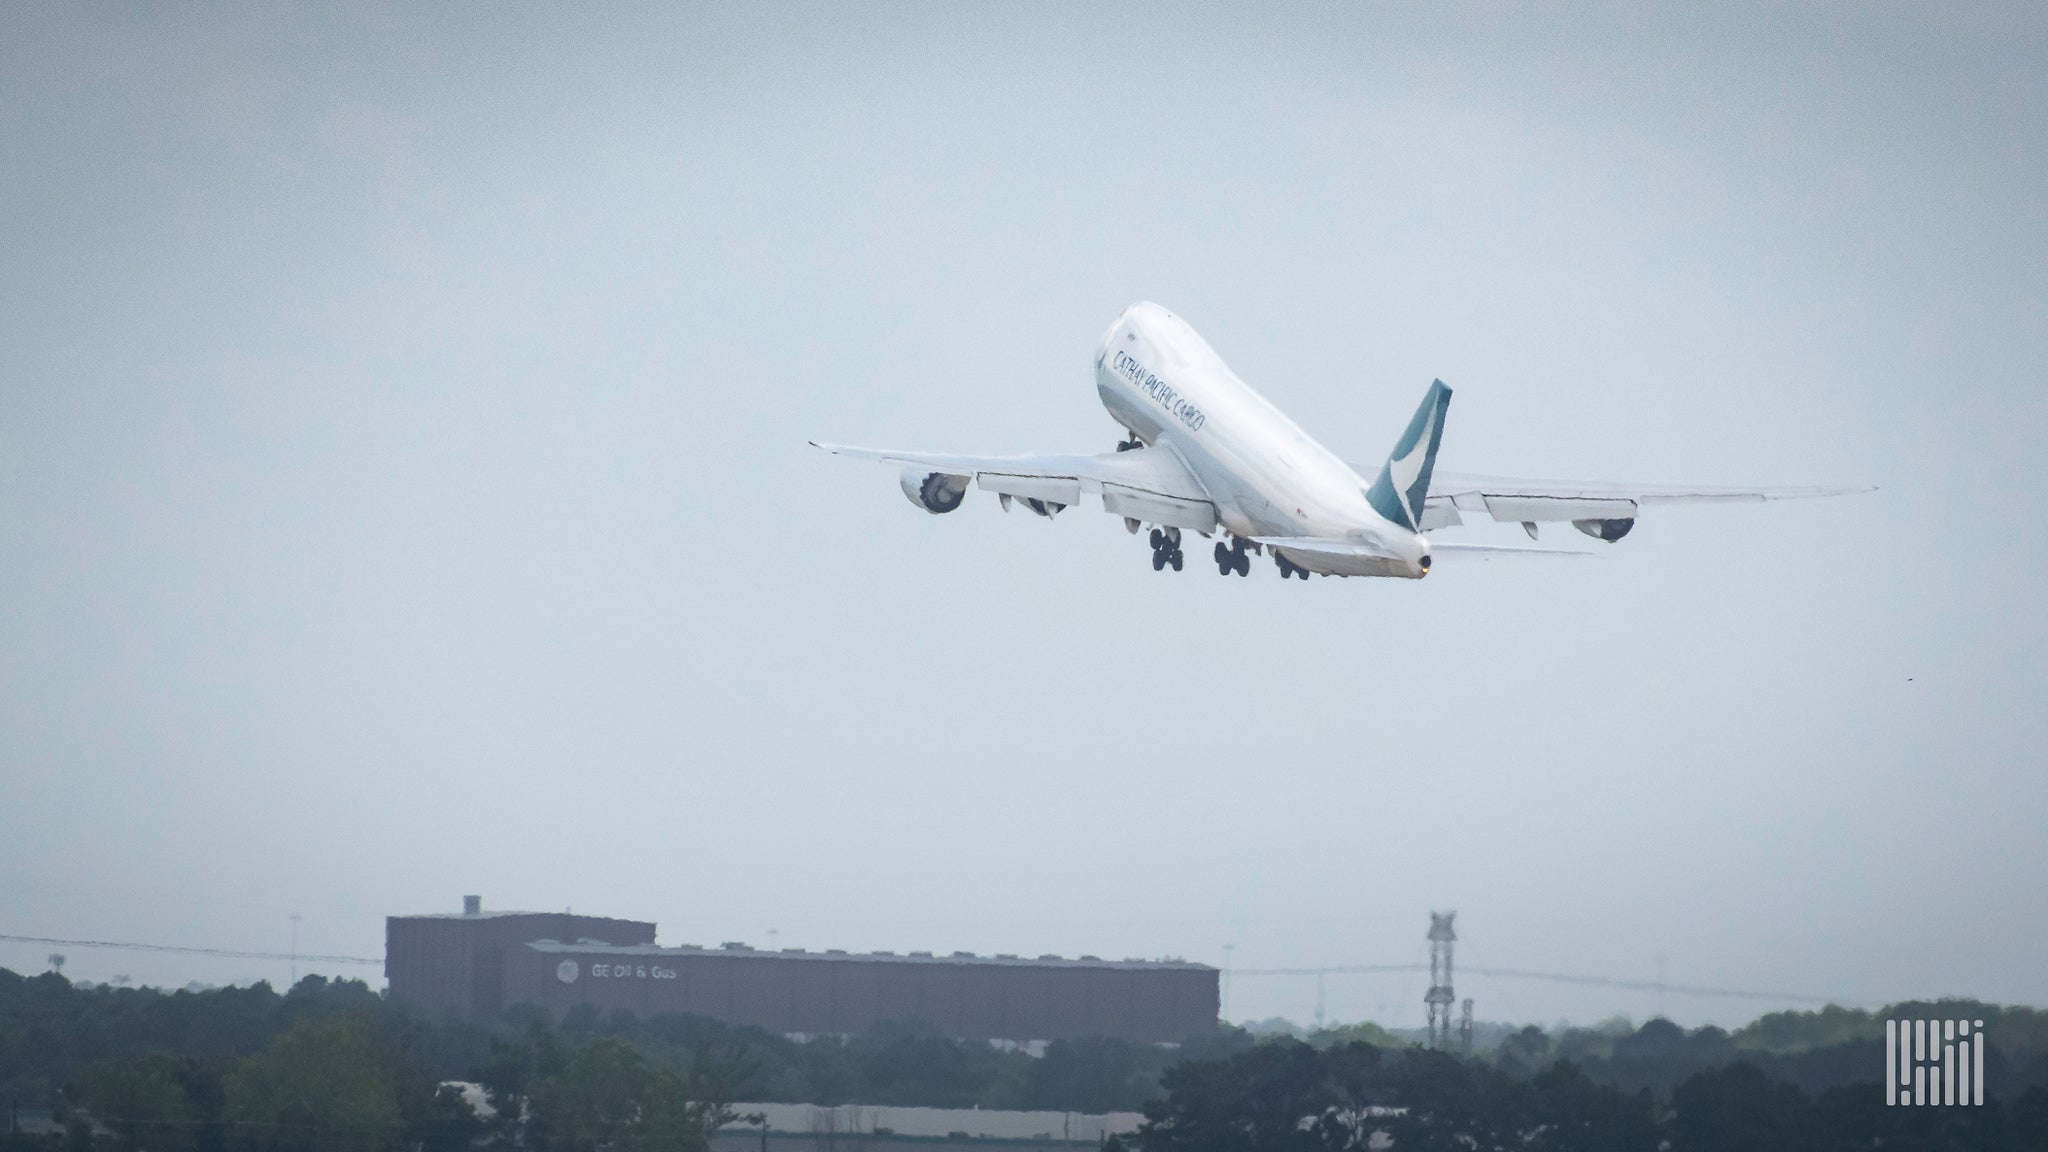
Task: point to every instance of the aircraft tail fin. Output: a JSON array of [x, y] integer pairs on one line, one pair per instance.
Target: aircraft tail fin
[[1403, 482]]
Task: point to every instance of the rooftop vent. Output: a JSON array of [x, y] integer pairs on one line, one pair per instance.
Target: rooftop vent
[[1006, 955], [735, 946], [472, 905], [835, 951], [792, 951], [1051, 956], [965, 955]]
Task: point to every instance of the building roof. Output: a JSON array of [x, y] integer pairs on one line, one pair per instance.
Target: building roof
[[686, 951], [502, 913]]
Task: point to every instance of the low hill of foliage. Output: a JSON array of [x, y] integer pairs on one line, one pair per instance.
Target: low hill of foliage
[[333, 1065]]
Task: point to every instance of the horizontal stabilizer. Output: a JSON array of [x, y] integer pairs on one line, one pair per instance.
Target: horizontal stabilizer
[[1487, 551], [1325, 546]]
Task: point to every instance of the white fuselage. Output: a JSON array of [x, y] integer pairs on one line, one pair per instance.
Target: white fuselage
[[1265, 475]]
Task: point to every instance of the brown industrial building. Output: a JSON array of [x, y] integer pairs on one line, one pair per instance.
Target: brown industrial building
[[477, 962]]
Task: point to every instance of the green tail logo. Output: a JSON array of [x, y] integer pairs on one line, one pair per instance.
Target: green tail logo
[[1403, 484]]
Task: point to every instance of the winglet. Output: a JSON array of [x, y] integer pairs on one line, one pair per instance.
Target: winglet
[[1403, 482]]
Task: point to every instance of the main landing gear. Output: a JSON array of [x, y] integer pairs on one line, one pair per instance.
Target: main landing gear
[[1166, 549], [1232, 558], [1288, 567]]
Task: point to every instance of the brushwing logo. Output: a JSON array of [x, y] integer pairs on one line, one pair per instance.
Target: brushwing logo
[[1933, 1062], [567, 972], [1408, 468]]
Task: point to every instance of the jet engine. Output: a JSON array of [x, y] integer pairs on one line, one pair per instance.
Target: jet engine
[[1608, 530], [935, 492]]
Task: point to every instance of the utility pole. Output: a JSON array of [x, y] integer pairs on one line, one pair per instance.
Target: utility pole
[[294, 918], [1440, 996]]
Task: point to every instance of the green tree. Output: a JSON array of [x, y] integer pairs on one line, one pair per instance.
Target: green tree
[[595, 1102], [1093, 1074], [1569, 1112], [330, 1084], [1363, 1032], [1285, 1096], [1255, 1101], [145, 1102], [1524, 1053], [608, 1098], [911, 1062], [1738, 1109]]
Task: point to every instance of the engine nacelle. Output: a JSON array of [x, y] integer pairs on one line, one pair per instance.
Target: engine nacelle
[[1608, 530], [935, 492]]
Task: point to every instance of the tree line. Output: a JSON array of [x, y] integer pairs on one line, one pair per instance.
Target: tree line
[[333, 1065], [1289, 1096], [52, 1033]]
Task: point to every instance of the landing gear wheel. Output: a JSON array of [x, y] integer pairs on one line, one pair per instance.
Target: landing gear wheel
[[1158, 559], [1158, 539], [1233, 558], [1178, 556]]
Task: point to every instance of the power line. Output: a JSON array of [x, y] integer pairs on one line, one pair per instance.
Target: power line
[[1655, 986], [1339, 970], [1334, 970], [1559, 978], [237, 954]]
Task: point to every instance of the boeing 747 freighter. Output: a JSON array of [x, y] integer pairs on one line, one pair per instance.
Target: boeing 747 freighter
[[1207, 454]]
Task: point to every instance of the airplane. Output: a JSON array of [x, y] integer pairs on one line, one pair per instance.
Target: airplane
[[1205, 453]]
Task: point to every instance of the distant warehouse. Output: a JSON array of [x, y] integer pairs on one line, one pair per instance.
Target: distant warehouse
[[477, 962]]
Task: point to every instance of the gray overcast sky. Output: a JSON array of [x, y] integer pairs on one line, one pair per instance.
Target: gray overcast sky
[[404, 487]]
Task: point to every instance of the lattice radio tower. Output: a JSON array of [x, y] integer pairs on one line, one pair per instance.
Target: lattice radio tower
[[1440, 997]]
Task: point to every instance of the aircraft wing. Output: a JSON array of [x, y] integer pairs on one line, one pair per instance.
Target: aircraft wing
[[1147, 484], [1526, 500]]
